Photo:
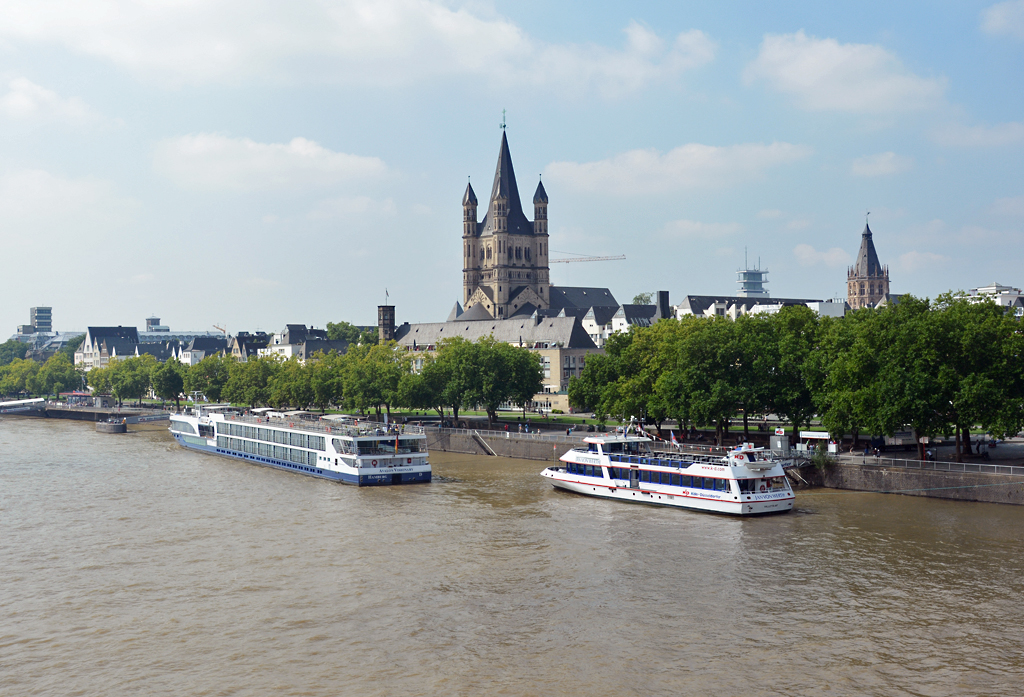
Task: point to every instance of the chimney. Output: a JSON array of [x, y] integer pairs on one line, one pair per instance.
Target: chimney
[[664, 310]]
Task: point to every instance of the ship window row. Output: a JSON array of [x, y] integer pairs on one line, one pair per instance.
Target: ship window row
[[278, 452], [649, 477], [182, 427], [377, 447], [271, 435]]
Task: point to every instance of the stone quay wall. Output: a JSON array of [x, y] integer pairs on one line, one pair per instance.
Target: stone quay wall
[[511, 446], [960, 486]]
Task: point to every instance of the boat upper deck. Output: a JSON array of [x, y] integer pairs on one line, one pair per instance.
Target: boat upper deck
[[315, 425]]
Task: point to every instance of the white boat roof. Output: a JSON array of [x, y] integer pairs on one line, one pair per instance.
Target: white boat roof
[[617, 438], [261, 410]]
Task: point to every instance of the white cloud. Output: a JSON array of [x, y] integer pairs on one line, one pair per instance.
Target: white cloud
[[806, 255], [1004, 18], [798, 224], [209, 161], [1012, 206], [26, 100], [43, 211], [688, 166], [348, 206], [694, 229], [958, 135], [915, 261], [770, 213], [361, 41], [824, 75], [880, 165]]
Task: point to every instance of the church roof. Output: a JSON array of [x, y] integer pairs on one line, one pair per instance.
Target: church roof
[[455, 313], [867, 258], [567, 296], [470, 196], [505, 187], [540, 196], [566, 332], [476, 313]]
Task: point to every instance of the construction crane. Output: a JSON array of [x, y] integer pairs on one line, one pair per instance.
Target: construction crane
[[583, 258], [222, 329]]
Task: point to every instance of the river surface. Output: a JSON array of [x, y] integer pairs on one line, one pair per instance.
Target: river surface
[[131, 566]]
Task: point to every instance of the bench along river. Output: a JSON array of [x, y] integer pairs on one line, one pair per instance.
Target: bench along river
[[129, 565]]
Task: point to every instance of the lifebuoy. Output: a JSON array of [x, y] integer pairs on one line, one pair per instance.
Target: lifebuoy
[[762, 488], [374, 463]]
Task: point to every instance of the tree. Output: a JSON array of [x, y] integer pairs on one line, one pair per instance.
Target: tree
[[643, 298], [290, 385], [12, 350], [326, 379], [373, 374], [795, 335], [17, 376], [209, 376], [169, 381], [71, 346], [343, 331], [454, 372], [250, 382], [130, 378], [57, 375], [505, 373]]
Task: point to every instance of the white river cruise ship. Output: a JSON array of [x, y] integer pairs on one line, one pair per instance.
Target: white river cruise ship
[[746, 481], [360, 453]]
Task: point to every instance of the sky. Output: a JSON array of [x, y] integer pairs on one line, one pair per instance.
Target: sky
[[248, 164]]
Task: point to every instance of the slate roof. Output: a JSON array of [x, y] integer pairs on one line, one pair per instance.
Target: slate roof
[[567, 296], [470, 196], [326, 345], [867, 258], [455, 313], [601, 315], [505, 186], [540, 196], [551, 331], [642, 315], [476, 313], [159, 350], [118, 346], [208, 344], [129, 333], [697, 304]]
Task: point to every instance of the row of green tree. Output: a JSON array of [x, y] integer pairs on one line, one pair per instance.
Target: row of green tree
[[368, 377], [26, 377], [934, 367]]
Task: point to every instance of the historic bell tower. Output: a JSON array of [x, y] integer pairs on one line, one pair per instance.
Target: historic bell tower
[[868, 281], [505, 256]]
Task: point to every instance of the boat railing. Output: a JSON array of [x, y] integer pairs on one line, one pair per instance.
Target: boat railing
[[326, 426]]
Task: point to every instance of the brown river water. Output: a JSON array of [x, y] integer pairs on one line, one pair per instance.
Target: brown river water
[[131, 566]]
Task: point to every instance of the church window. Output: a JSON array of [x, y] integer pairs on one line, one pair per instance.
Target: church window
[[519, 252], [488, 251], [526, 253]]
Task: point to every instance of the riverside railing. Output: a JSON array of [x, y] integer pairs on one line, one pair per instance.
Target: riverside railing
[[934, 465]]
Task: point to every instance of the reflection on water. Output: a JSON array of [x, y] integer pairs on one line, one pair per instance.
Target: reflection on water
[[130, 565]]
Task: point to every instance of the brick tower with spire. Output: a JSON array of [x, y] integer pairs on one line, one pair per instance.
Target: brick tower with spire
[[505, 256], [868, 281]]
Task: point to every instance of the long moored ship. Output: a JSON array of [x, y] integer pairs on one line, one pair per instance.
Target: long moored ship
[[357, 453], [746, 481]]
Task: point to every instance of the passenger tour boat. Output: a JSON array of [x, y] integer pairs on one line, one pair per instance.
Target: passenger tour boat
[[360, 453], [746, 481]]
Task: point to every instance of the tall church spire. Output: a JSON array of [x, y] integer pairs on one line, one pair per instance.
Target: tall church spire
[[867, 282]]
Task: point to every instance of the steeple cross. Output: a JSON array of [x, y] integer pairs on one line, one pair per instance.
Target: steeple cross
[[502, 119], [866, 217]]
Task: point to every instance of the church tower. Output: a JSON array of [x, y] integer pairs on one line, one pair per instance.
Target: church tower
[[505, 256], [868, 281]]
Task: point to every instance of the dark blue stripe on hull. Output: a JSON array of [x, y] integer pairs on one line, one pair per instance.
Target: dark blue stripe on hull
[[384, 479]]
